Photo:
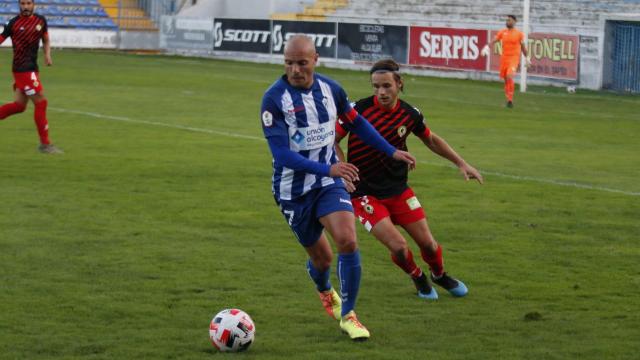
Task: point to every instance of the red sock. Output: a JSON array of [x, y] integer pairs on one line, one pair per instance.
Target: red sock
[[407, 264], [509, 88], [40, 116], [9, 109], [434, 260]]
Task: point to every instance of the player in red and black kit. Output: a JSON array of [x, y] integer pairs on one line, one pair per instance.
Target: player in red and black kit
[[26, 30], [382, 198]]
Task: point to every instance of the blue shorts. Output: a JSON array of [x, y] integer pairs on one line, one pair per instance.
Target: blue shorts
[[303, 213]]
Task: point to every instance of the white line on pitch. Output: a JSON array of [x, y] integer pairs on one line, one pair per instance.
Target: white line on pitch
[[259, 138], [542, 180]]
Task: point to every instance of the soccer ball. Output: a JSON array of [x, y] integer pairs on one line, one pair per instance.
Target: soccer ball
[[232, 330], [571, 89]]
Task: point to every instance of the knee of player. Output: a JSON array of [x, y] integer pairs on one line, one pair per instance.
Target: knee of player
[[20, 107], [347, 242], [40, 102], [347, 234], [430, 246], [400, 250]]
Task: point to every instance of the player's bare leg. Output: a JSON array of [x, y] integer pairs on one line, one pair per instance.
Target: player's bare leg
[[341, 226], [40, 117], [387, 233], [318, 267], [431, 253]]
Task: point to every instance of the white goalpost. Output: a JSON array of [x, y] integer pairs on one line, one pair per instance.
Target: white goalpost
[[525, 29]]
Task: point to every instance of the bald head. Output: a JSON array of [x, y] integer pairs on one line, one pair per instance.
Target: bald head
[[300, 44], [300, 59]]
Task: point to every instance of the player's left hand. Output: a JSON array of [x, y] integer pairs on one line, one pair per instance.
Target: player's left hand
[[48, 60], [528, 62], [469, 172], [405, 157]]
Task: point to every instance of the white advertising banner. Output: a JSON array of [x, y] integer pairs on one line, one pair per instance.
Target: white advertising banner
[[85, 39]]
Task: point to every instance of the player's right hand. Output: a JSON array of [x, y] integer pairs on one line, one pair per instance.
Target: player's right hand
[[344, 170], [405, 157]]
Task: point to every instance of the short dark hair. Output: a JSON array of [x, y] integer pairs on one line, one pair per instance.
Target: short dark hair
[[388, 65], [513, 17]]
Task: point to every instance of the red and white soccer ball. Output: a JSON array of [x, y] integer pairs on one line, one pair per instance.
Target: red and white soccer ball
[[232, 330]]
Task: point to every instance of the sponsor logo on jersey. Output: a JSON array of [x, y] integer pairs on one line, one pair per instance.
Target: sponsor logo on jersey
[[297, 137], [239, 35], [280, 39], [313, 137]]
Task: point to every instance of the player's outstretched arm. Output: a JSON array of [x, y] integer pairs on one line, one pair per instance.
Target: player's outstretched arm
[[439, 146], [486, 50]]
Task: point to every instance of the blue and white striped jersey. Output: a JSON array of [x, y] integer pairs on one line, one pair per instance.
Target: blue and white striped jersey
[[305, 120]]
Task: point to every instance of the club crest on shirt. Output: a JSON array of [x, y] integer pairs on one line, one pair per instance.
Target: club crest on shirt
[[402, 131], [38, 27], [369, 209], [267, 119]]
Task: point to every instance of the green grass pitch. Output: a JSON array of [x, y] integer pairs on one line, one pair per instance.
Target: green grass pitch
[[160, 214]]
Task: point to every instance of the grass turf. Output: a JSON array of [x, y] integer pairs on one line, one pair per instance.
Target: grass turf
[[159, 215]]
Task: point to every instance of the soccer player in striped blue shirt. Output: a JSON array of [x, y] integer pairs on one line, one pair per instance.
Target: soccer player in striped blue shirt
[[299, 114]]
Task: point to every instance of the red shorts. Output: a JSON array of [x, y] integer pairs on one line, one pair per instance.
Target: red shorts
[[402, 209], [27, 82]]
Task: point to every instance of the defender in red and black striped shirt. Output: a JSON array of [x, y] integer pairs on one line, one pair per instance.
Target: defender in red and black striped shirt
[[26, 30], [382, 198]]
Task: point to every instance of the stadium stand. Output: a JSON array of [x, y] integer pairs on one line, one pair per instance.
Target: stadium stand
[[81, 14], [583, 17], [317, 11], [128, 15], [86, 14], [571, 14]]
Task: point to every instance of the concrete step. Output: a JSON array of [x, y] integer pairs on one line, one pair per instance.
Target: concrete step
[[127, 15]]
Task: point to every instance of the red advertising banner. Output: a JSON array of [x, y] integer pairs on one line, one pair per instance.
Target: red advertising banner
[[552, 55], [447, 48]]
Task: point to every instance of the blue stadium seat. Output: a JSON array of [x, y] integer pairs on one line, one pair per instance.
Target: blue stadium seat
[[80, 14]]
